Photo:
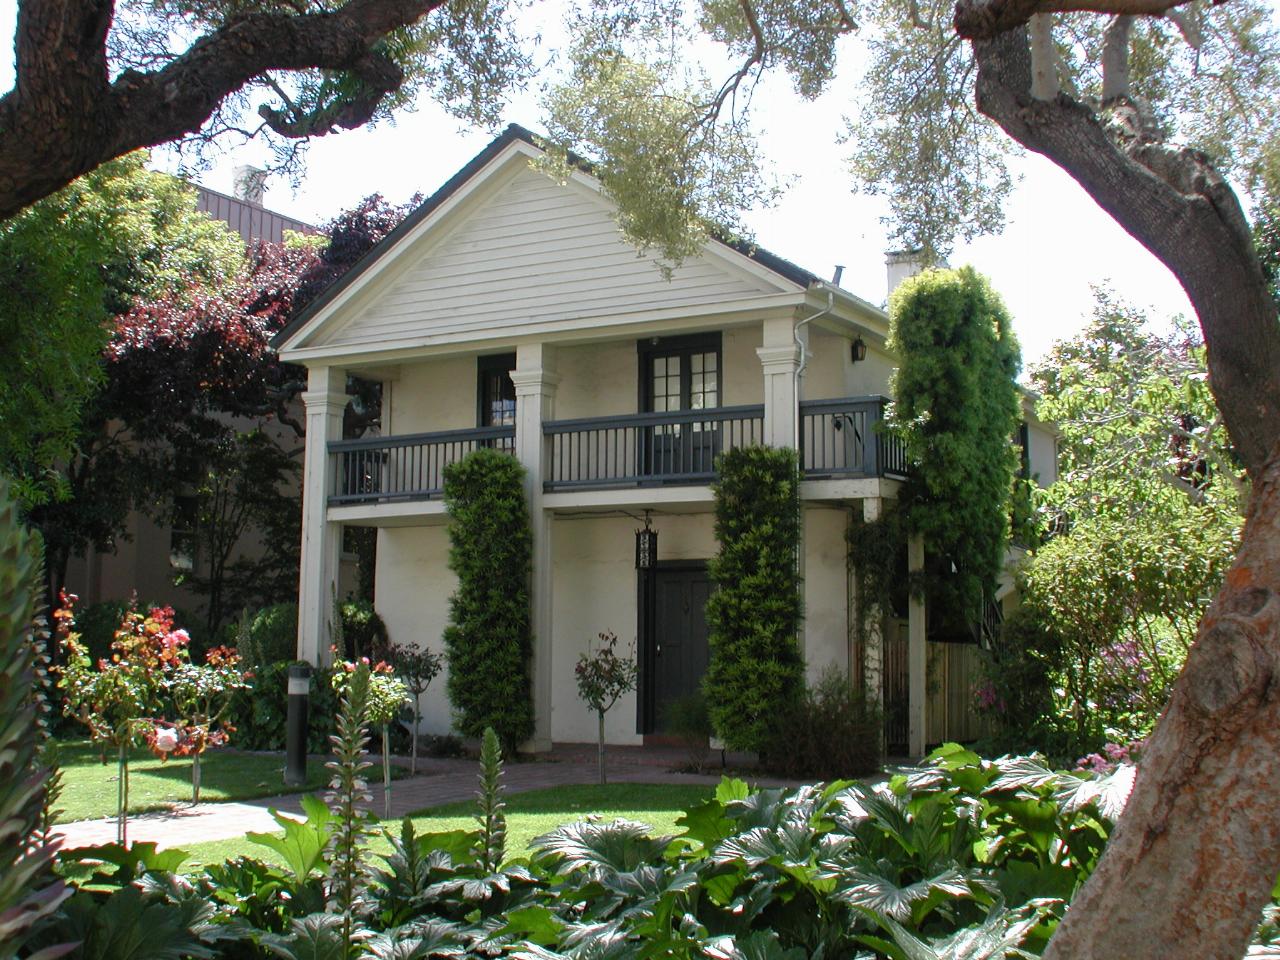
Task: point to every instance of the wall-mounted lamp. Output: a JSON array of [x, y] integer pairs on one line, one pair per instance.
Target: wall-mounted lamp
[[858, 350], [646, 546]]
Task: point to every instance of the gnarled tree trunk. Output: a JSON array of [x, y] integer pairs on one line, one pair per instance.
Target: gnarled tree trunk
[[1195, 855]]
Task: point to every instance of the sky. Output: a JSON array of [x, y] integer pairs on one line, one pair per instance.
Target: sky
[[1056, 246]]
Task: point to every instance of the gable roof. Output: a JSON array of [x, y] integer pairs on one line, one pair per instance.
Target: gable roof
[[514, 133]]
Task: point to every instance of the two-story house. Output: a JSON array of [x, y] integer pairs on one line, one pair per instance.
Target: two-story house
[[508, 312]]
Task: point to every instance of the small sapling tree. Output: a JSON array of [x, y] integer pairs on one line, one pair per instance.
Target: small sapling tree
[[202, 697], [417, 667], [120, 699], [603, 677]]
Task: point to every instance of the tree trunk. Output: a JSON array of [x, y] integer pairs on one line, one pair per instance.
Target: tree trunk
[[1195, 855], [600, 743], [122, 797]]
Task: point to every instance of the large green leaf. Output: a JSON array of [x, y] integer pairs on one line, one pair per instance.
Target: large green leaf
[[314, 937], [761, 945], [618, 846], [129, 925], [884, 897], [304, 842]]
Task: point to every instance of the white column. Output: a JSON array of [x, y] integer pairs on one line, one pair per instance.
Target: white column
[[325, 398], [535, 381], [780, 358], [870, 613], [917, 654]]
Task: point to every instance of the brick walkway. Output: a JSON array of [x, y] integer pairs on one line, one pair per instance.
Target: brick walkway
[[438, 782]]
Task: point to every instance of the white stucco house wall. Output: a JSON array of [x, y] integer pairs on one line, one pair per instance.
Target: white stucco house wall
[[508, 311]]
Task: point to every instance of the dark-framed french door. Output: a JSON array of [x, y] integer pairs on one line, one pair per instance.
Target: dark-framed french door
[[496, 395], [674, 651], [678, 374]]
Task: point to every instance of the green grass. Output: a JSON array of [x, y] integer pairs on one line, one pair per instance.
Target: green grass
[[529, 815], [89, 786]]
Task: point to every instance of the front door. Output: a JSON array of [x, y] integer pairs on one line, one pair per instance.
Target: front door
[[677, 648]]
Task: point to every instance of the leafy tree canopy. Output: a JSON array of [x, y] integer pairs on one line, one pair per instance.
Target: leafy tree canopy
[[68, 264]]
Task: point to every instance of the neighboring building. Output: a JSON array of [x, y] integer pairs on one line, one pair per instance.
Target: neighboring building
[[507, 310], [151, 554]]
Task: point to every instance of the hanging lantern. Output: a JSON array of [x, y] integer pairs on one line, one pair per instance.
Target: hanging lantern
[[646, 547]]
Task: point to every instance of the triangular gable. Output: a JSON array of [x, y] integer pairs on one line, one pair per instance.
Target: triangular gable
[[508, 247]]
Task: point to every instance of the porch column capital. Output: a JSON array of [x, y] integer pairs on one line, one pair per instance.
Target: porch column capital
[[536, 382], [779, 359], [324, 401]]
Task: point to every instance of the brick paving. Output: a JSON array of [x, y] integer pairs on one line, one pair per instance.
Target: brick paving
[[438, 782]]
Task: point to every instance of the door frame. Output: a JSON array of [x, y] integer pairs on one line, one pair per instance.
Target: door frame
[[646, 634]]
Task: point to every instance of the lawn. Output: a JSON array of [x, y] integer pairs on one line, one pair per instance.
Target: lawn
[[528, 815], [89, 786]]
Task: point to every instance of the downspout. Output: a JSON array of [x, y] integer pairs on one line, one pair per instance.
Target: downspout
[[804, 361]]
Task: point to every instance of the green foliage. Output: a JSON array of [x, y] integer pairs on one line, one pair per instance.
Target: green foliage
[[488, 639], [28, 890], [829, 733], [269, 636], [752, 618], [491, 842], [878, 563], [245, 483], [1146, 513], [364, 631], [66, 265], [259, 713], [956, 409]]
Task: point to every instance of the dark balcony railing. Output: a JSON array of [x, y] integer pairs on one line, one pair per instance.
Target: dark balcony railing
[[841, 438], [647, 449], [411, 467]]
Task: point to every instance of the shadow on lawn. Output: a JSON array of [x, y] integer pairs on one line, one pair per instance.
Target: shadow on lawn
[[629, 798]]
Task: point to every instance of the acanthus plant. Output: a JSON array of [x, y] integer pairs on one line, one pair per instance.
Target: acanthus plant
[[386, 698]]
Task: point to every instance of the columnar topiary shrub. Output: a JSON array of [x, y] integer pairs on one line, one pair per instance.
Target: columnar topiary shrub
[[956, 408], [753, 616], [488, 639]]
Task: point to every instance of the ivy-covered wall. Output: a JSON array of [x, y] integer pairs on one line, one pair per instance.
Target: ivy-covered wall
[[489, 639], [756, 668]]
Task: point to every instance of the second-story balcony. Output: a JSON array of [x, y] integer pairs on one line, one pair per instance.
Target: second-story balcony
[[410, 467], [839, 439]]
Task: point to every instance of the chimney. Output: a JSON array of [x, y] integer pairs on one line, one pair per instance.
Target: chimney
[[901, 265], [249, 184]]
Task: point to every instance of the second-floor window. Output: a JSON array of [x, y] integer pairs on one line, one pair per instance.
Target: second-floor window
[[680, 373], [676, 374]]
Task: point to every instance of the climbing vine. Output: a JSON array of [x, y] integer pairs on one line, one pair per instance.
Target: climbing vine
[[876, 561], [756, 669], [489, 639], [956, 409]]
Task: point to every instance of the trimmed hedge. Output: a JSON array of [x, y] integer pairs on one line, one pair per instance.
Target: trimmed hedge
[[756, 669], [489, 639]]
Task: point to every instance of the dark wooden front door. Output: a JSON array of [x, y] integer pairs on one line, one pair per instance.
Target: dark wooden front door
[[677, 649]]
